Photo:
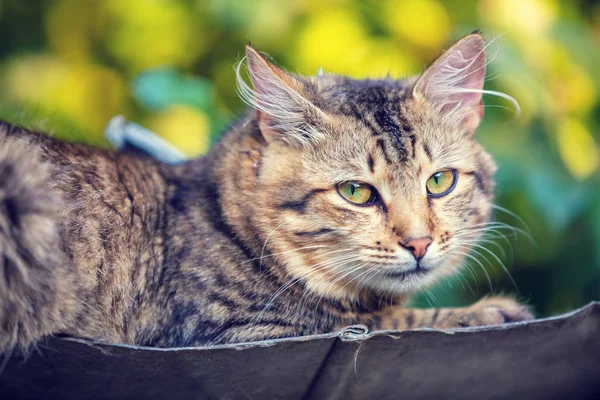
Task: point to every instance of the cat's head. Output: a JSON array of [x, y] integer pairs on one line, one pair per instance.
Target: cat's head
[[376, 184]]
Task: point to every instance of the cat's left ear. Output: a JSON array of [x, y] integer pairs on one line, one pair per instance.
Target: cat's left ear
[[454, 83], [283, 110]]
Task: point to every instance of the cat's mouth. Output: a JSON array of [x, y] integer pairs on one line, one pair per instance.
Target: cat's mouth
[[418, 270]]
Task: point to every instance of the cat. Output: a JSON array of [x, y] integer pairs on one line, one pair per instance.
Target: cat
[[327, 204]]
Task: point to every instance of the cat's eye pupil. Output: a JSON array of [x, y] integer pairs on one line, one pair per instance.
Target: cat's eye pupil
[[441, 183], [356, 192]]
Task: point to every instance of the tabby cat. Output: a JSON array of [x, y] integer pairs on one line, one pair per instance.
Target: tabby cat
[[328, 204]]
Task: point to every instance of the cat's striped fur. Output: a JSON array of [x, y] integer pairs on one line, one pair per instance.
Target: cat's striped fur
[[253, 241]]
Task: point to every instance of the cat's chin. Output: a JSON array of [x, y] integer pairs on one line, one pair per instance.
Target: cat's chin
[[403, 280], [403, 274], [410, 270], [400, 281]]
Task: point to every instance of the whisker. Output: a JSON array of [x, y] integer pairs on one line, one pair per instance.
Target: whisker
[[501, 264], [266, 240], [469, 268], [429, 296], [487, 241], [311, 270], [463, 279], [353, 258], [497, 225], [512, 214], [359, 287], [285, 252], [351, 271], [480, 264]]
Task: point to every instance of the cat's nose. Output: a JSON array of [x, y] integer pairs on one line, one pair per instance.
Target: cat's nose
[[418, 246]]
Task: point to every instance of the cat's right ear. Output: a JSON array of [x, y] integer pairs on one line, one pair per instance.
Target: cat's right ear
[[454, 83], [283, 112]]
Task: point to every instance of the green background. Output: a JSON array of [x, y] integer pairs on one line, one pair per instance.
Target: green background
[[68, 66]]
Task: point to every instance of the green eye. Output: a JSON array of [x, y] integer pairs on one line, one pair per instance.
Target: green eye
[[441, 183], [356, 192]]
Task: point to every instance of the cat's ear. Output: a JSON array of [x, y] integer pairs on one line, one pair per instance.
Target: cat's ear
[[454, 83], [283, 111]]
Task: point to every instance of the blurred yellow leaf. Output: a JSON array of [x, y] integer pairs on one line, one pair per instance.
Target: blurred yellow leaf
[[337, 41], [146, 34], [89, 95], [382, 57], [529, 103], [271, 22], [316, 6], [573, 90], [536, 50], [422, 22], [525, 16], [577, 148], [72, 26], [187, 128], [334, 39], [33, 78]]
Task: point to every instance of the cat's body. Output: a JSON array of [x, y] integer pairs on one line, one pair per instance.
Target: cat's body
[[254, 240]]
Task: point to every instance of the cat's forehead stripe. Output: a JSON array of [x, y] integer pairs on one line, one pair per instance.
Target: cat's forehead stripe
[[427, 151], [352, 110], [378, 106], [371, 163], [382, 148]]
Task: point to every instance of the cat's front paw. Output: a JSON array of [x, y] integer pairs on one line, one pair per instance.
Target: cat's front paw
[[493, 311]]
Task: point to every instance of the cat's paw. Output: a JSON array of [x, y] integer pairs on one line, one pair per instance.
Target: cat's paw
[[493, 311]]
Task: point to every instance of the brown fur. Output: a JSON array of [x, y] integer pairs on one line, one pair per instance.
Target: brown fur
[[252, 241]]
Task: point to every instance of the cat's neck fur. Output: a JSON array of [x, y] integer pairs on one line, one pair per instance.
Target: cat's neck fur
[[233, 166]]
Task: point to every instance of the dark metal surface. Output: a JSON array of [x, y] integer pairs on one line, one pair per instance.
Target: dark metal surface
[[556, 358]]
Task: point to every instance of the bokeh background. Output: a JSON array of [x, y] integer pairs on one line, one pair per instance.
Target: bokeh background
[[68, 66]]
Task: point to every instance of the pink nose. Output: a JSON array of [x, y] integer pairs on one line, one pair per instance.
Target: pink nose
[[418, 246]]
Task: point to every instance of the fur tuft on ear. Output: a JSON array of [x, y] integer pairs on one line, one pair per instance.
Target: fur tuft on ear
[[283, 112], [454, 83]]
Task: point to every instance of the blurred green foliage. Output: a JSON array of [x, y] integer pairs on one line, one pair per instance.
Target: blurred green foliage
[[68, 66]]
